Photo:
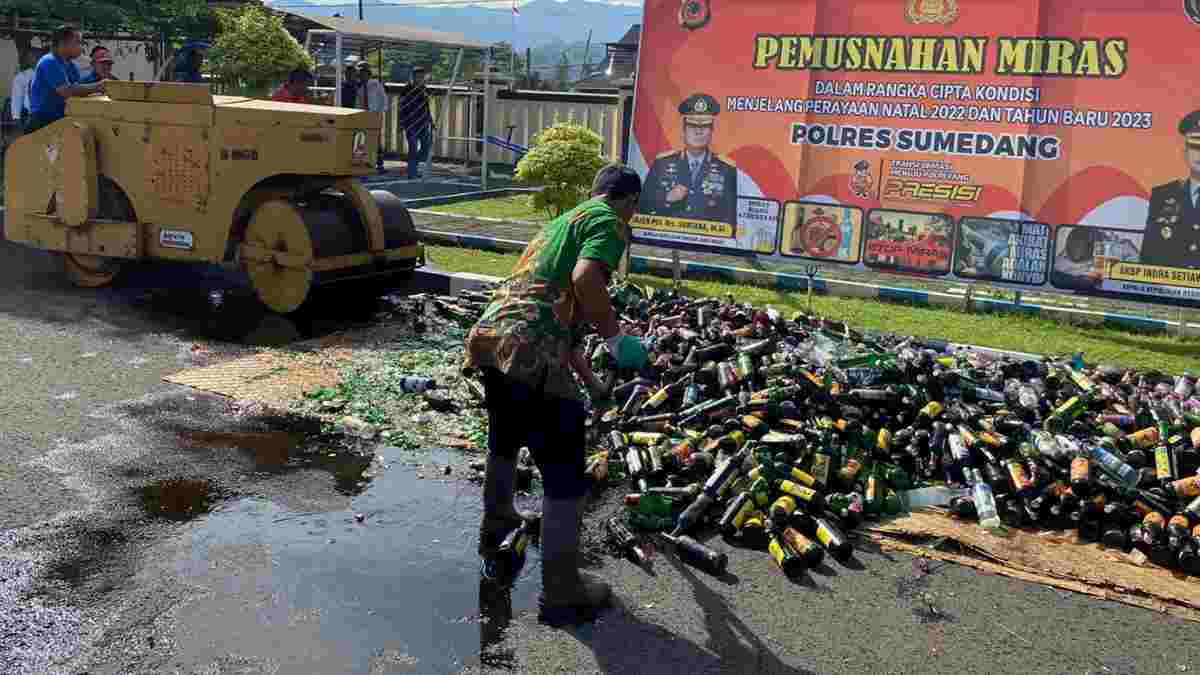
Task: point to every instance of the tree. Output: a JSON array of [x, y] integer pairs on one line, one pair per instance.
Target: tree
[[254, 50], [564, 160]]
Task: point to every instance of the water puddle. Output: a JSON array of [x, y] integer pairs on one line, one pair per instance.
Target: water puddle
[[270, 450], [394, 577], [179, 499]]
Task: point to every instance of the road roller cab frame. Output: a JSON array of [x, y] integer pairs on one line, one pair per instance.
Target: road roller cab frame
[[168, 171]]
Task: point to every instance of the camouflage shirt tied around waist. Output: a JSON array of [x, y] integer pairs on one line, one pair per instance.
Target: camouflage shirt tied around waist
[[526, 331]]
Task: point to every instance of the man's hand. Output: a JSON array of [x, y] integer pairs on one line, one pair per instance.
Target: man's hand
[[677, 193], [584, 369]]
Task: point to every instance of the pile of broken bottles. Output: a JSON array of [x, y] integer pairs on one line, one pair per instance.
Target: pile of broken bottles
[[785, 433]]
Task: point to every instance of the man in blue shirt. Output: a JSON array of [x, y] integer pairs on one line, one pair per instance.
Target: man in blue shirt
[[56, 79]]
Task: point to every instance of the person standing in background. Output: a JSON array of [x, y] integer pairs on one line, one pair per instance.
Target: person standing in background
[[21, 87], [372, 98], [417, 121], [350, 85], [102, 66], [189, 60], [296, 89]]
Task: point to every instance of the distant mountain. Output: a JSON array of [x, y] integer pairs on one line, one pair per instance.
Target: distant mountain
[[541, 22]]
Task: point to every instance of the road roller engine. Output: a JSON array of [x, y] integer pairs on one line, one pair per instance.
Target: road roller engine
[[167, 171]]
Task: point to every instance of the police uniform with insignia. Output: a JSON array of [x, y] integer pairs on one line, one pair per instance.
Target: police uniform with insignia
[[1172, 236], [711, 181]]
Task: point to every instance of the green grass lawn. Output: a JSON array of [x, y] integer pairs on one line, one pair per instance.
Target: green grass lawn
[[999, 331], [515, 207]]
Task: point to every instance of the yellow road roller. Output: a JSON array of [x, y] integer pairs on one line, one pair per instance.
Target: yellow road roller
[[168, 171]]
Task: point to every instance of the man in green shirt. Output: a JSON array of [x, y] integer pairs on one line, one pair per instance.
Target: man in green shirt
[[524, 347]]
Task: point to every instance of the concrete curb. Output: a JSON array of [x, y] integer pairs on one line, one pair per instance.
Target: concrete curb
[[449, 283], [841, 288]]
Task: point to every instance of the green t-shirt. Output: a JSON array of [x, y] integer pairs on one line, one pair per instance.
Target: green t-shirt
[[526, 331]]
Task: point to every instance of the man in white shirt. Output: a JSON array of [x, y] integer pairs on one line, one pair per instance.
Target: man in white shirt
[[373, 98], [20, 90]]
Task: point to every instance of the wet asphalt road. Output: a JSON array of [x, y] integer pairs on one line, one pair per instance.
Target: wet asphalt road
[[148, 528]]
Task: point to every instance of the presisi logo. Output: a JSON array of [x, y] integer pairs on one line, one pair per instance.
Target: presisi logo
[[931, 11], [1192, 9], [897, 188]]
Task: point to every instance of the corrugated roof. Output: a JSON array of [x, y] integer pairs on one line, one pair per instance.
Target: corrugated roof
[[365, 31], [631, 37]]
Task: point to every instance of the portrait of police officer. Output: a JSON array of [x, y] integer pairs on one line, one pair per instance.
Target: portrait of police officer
[[1172, 236], [693, 182]]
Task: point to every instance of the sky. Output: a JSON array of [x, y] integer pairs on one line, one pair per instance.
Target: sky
[[498, 4]]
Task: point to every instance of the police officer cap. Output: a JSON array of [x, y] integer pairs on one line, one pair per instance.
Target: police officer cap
[[699, 109], [1190, 128]]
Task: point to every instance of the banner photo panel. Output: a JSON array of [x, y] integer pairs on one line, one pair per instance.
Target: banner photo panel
[[961, 139]]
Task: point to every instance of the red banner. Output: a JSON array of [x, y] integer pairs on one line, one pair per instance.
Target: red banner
[[994, 123]]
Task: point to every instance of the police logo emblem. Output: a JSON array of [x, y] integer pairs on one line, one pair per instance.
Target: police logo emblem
[[700, 106], [693, 14], [1192, 9], [937, 11], [1166, 233]]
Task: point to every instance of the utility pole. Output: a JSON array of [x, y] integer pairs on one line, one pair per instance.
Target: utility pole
[[587, 49], [360, 12]]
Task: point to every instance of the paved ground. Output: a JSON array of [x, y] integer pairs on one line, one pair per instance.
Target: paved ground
[[147, 528]]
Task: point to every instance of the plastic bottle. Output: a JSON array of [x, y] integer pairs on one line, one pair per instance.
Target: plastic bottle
[[985, 501]]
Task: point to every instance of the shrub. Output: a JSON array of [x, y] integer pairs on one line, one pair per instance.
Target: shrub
[[564, 160], [253, 49]]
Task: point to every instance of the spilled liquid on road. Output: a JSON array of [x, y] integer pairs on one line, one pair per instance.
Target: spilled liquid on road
[[178, 499], [399, 591]]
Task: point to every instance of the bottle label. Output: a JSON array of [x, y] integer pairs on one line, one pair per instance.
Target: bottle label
[[646, 438], [958, 449], [1188, 487], [798, 491], [850, 471], [820, 468], [1178, 521], [1081, 470], [1020, 478], [778, 552], [1155, 518], [824, 535], [884, 441], [874, 490], [802, 477], [1162, 463], [799, 543], [1146, 438]]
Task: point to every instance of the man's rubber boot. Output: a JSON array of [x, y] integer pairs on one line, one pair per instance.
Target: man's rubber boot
[[499, 515], [568, 597]]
